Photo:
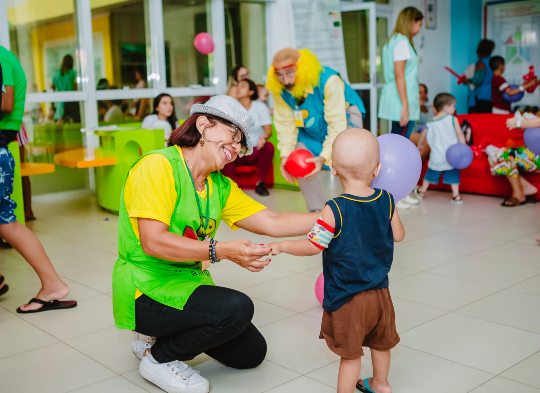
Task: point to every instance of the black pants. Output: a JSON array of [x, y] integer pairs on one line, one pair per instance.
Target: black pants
[[215, 320]]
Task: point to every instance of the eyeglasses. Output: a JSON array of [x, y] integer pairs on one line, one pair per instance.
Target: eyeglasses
[[237, 138], [287, 73]]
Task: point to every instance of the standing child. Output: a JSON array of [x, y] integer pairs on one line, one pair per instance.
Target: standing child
[[356, 232], [500, 86], [441, 133]]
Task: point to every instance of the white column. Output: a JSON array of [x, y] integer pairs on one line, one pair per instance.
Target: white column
[[155, 38], [217, 29]]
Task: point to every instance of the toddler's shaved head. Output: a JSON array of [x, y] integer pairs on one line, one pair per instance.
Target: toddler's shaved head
[[355, 154]]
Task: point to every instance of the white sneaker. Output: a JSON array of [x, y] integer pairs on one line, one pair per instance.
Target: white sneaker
[[139, 346], [402, 205], [411, 200], [173, 377]]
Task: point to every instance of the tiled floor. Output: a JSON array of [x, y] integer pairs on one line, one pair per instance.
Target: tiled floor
[[465, 282]]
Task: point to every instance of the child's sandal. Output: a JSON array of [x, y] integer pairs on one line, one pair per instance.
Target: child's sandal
[[458, 200]]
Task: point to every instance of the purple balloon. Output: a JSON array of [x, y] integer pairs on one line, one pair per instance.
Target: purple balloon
[[531, 136], [459, 156], [514, 98], [400, 166]]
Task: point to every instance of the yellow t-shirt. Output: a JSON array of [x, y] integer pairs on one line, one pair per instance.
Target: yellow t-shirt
[[150, 193]]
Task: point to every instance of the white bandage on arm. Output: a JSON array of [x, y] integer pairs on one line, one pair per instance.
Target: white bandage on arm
[[321, 234]]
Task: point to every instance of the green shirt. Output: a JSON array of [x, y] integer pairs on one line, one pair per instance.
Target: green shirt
[[13, 76], [169, 283]]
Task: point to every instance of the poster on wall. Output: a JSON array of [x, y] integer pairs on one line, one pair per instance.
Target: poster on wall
[[515, 28], [318, 27]]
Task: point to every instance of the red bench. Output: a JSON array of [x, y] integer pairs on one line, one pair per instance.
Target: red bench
[[488, 129]]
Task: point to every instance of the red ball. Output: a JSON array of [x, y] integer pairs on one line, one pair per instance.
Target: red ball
[[296, 163]]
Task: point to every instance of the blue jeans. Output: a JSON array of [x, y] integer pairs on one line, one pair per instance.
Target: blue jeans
[[405, 131], [7, 171]]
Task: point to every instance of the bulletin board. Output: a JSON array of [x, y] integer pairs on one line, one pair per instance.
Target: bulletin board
[[515, 28]]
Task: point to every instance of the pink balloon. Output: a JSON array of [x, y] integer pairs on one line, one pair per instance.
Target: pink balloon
[[319, 288], [204, 43]]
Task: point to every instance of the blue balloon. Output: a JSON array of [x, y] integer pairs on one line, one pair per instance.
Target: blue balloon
[[532, 139], [459, 156], [514, 98], [400, 166]]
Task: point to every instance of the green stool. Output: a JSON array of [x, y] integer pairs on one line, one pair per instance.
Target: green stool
[[17, 195], [127, 146]]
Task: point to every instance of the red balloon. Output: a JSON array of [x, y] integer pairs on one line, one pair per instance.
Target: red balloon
[[296, 163], [204, 43]]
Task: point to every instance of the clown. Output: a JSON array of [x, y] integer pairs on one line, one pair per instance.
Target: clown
[[312, 106]]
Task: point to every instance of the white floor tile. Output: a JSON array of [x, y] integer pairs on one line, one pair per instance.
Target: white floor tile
[[294, 292], [508, 308], [515, 253], [483, 345], [302, 385], [526, 372], [410, 314], [485, 271], [502, 385], [109, 347], [50, 369], [294, 344], [116, 385], [226, 380], [531, 286], [440, 292], [20, 336]]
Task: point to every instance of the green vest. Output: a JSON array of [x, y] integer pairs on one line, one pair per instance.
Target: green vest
[[169, 283], [390, 103]]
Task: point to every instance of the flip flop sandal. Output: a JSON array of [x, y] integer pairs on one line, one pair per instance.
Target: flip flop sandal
[[364, 386], [48, 306], [512, 202]]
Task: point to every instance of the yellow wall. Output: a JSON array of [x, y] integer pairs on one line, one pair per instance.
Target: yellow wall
[[64, 30], [31, 11]]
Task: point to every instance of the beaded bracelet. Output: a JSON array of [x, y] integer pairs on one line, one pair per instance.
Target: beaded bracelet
[[212, 251]]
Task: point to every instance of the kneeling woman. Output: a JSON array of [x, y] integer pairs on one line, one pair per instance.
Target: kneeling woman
[[172, 204]]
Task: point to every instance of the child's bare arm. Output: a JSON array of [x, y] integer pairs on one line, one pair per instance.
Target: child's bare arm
[[459, 133], [397, 227], [300, 248], [305, 247]]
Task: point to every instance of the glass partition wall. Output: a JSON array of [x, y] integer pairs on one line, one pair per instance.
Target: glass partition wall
[[91, 63]]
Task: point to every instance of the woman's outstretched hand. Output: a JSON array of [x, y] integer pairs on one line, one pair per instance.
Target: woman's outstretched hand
[[245, 254]]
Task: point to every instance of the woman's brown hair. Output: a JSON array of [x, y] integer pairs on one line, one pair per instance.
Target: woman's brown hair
[[405, 20]]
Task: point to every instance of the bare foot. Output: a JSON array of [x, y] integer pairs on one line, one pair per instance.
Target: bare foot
[[47, 294]]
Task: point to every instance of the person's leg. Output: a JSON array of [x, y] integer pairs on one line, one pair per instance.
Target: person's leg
[[245, 351], [211, 317], [381, 367], [312, 189], [265, 161], [517, 187], [24, 240], [409, 129], [528, 188], [349, 372], [29, 246]]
